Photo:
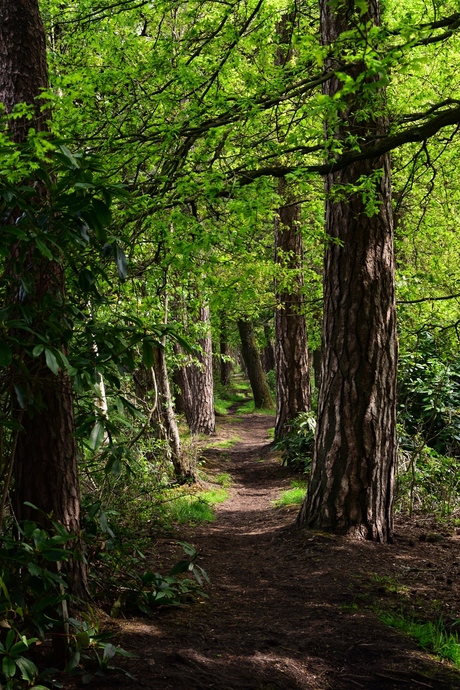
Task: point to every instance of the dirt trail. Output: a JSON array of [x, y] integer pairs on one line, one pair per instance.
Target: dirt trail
[[287, 610]]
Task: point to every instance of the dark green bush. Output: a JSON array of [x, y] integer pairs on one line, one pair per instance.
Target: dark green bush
[[297, 446]]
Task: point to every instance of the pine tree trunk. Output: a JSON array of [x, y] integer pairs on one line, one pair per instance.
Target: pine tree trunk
[[45, 460], [351, 486], [291, 344], [197, 381], [251, 357]]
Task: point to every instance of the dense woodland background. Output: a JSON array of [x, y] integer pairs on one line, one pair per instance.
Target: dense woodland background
[[165, 170]]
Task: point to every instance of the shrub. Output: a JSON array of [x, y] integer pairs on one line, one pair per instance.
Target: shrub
[[297, 445]]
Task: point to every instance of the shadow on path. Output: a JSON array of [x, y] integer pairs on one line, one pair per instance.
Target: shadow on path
[[288, 610]]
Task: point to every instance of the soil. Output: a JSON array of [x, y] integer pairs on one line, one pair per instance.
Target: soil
[[290, 609]]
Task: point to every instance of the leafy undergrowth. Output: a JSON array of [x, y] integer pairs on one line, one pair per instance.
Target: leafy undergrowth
[[195, 508], [249, 408], [293, 496], [433, 637]]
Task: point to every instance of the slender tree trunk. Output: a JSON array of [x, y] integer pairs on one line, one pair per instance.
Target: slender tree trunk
[[351, 487], [197, 382], [166, 408], [251, 357], [168, 418], [46, 456], [268, 354], [225, 363], [291, 344]]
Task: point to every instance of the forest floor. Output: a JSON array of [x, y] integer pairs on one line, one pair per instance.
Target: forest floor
[[290, 609]]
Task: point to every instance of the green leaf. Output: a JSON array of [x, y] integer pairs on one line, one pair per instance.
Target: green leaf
[[43, 249], [6, 355], [122, 263], [97, 436], [102, 212], [51, 361], [83, 638], [28, 669], [38, 349], [109, 652], [73, 663], [10, 638], [147, 354], [180, 567], [8, 667], [53, 555], [69, 156]]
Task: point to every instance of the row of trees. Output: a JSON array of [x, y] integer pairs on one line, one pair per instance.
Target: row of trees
[[221, 121]]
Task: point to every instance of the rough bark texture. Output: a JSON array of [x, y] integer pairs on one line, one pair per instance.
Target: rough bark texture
[[197, 384], [291, 344], [23, 67], [351, 486], [268, 354], [46, 455], [251, 357]]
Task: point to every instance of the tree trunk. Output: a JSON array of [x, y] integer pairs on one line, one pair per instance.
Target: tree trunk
[[23, 66], [291, 345], [197, 382], [168, 418], [268, 354], [225, 363], [251, 357], [45, 460], [351, 486]]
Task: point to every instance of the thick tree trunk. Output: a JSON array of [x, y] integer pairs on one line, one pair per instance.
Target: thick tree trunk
[[351, 486], [46, 456], [197, 384], [23, 66], [291, 344], [251, 357]]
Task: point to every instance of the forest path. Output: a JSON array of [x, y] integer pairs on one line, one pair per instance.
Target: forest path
[[288, 610]]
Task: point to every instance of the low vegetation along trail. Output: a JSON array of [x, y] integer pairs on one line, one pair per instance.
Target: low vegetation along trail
[[290, 609]]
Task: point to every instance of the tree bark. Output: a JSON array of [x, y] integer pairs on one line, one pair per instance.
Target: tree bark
[[351, 486], [45, 469], [23, 66], [225, 363], [268, 354], [197, 384], [291, 343], [168, 418], [251, 357]]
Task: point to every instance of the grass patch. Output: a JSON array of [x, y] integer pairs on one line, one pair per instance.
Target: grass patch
[[294, 496], [249, 408], [224, 401], [271, 432], [221, 406], [195, 508], [226, 443], [432, 637], [241, 385], [225, 479]]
